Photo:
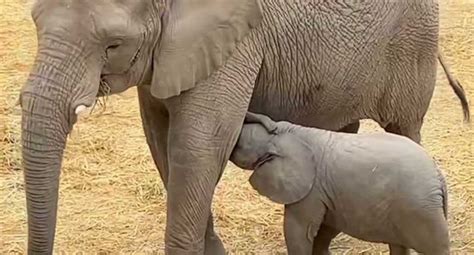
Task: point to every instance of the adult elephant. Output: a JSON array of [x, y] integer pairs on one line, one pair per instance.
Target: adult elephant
[[200, 65]]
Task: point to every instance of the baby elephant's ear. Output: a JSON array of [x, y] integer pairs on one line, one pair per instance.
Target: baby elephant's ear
[[285, 180], [270, 125]]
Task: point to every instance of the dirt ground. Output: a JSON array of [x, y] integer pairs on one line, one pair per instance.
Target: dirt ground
[[112, 200]]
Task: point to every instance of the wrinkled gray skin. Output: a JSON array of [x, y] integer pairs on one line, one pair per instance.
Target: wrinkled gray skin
[[199, 66], [376, 187]]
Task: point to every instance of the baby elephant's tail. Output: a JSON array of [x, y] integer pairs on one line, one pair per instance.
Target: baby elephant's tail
[[444, 190], [456, 86], [445, 201]]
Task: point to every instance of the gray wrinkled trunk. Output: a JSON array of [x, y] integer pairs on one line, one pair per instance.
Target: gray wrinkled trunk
[[42, 155], [46, 122]]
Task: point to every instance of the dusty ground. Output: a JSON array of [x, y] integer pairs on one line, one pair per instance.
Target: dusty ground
[[111, 198]]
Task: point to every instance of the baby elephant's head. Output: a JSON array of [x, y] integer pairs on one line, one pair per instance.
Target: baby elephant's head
[[283, 163], [253, 147]]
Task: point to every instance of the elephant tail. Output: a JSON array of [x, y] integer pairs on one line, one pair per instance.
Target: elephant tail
[[445, 201], [444, 191], [456, 86]]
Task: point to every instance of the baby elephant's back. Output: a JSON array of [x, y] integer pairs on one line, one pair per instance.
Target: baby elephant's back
[[384, 154], [378, 177]]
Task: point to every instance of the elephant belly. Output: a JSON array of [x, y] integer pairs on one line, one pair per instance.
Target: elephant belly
[[317, 84], [314, 102], [329, 68], [371, 227]]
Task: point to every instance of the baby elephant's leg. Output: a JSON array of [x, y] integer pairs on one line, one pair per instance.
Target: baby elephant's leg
[[300, 228], [398, 250], [296, 235], [428, 233], [323, 239]]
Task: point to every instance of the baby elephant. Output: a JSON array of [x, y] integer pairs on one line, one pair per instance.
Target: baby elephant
[[376, 187]]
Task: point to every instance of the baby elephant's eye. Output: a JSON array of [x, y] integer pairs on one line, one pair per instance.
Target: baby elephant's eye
[[264, 159]]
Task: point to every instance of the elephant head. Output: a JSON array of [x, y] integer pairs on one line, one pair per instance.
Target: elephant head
[[283, 164], [90, 48]]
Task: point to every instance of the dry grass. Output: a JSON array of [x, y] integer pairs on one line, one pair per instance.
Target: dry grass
[[111, 197]]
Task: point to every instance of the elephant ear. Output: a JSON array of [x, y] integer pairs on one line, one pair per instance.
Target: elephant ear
[[270, 125], [287, 178], [198, 36]]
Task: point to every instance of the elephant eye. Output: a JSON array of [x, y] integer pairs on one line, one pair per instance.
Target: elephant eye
[[112, 47], [264, 159], [114, 44]]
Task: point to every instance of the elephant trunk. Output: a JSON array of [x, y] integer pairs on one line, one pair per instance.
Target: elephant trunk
[[47, 100], [43, 142]]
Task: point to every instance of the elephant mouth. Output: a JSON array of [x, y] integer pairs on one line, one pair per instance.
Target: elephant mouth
[[262, 160], [112, 84], [104, 86]]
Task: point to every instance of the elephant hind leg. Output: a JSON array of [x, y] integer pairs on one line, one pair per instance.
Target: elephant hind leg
[[437, 243], [411, 131], [431, 234], [351, 128]]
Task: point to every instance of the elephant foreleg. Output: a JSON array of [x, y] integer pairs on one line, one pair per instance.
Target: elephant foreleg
[[323, 239], [301, 229], [398, 250], [155, 119], [202, 141], [205, 123]]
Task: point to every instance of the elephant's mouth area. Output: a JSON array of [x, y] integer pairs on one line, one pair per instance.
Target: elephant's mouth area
[[112, 84], [104, 86], [262, 160]]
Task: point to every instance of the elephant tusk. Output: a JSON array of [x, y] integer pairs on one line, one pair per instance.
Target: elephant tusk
[[80, 109]]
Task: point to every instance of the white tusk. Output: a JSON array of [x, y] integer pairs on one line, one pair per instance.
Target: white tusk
[[81, 108]]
